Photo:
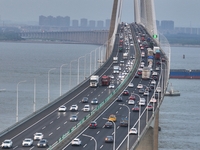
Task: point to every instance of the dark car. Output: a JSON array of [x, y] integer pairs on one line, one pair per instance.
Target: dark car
[[94, 101], [93, 125], [126, 92], [141, 91], [109, 139], [42, 143], [136, 108], [151, 86], [119, 99], [108, 124], [124, 122], [84, 100], [136, 76], [150, 107]]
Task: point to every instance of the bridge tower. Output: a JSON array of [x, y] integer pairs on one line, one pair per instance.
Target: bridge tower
[[144, 13]]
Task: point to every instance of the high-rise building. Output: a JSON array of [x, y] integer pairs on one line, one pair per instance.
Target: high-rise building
[[92, 24], [107, 23], [100, 24], [84, 22], [75, 23], [167, 25]]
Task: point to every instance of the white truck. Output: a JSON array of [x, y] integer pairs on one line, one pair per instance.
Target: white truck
[[94, 81], [150, 52], [125, 55], [116, 69], [115, 60], [155, 48], [146, 72]]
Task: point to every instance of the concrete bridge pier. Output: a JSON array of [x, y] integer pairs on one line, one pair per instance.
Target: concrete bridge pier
[[149, 141]]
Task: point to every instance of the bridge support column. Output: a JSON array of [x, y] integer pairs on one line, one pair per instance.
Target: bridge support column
[[149, 141]]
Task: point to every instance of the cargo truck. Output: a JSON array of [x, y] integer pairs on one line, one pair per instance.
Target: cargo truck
[[105, 80], [146, 72], [125, 55], [94, 81], [115, 60]]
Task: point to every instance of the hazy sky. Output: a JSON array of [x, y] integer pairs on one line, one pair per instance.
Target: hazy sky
[[185, 13]]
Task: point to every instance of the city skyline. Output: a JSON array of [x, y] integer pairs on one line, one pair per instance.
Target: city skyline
[[28, 11]]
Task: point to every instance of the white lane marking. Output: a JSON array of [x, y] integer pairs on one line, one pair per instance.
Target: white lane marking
[[50, 133], [43, 127], [58, 128], [51, 122], [85, 145], [15, 147], [101, 146], [65, 122], [98, 132], [58, 117]]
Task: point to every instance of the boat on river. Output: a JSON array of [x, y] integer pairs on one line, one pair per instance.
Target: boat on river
[[172, 92]]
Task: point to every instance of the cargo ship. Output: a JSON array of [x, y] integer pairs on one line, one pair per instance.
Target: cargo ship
[[184, 74]]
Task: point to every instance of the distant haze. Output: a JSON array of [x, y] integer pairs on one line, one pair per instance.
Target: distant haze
[[184, 13]]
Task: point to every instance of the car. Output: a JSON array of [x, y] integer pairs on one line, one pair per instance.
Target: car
[[76, 142], [42, 143], [131, 85], [27, 142], [86, 108], [139, 72], [149, 107], [124, 122], [119, 99], [125, 92], [73, 118], [108, 124], [135, 108], [112, 118], [153, 82], [111, 76], [94, 101], [137, 76], [93, 125], [151, 86], [132, 97], [139, 86], [153, 100], [158, 89], [84, 100], [133, 131], [74, 108], [157, 68], [142, 101], [38, 136], [62, 108], [131, 102], [7, 143], [111, 86], [109, 139], [146, 93], [141, 91]]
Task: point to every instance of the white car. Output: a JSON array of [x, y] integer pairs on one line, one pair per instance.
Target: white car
[[158, 89], [131, 85], [142, 101], [153, 82], [38, 136], [62, 108], [74, 108], [140, 86], [86, 108], [73, 118], [131, 102], [153, 100], [146, 93], [7, 144], [27, 142], [133, 131], [76, 141], [111, 86]]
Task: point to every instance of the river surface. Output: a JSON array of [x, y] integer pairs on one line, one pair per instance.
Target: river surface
[[27, 68]]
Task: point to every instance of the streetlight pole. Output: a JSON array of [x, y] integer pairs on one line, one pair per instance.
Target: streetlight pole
[[49, 84], [92, 139], [78, 69], [34, 98], [91, 62], [114, 132], [70, 73], [61, 78], [17, 112], [129, 116]]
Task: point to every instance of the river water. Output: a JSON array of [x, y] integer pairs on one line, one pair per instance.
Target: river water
[[27, 68]]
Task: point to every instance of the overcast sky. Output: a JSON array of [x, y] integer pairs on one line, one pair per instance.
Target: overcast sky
[[185, 13]]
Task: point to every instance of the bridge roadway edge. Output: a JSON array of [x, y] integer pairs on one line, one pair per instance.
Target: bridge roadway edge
[[85, 124]]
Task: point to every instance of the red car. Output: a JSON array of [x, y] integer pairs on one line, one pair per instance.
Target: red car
[[136, 108], [126, 92], [149, 107], [139, 72], [132, 97], [93, 125]]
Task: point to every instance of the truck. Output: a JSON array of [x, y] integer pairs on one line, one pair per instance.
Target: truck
[[155, 48], [115, 60], [150, 52], [116, 69], [146, 72], [94, 81], [105, 80], [157, 55], [125, 55]]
